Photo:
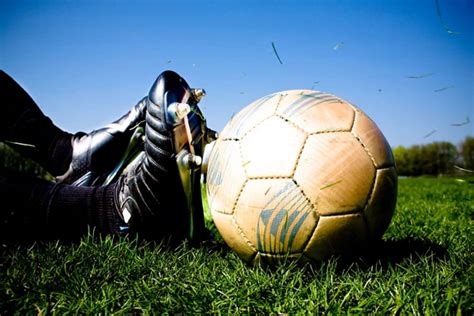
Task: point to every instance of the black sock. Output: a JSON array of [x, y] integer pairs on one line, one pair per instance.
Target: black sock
[[23, 206], [73, 210], [36, 209]]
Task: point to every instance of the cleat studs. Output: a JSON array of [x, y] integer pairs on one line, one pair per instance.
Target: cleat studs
[[192, 160], [178, 111], [198, 94], [182, 109]]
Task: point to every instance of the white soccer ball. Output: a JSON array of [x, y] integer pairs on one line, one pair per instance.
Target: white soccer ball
[[301, 174]]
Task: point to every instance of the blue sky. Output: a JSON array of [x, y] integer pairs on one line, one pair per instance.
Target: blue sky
[[87, 62]]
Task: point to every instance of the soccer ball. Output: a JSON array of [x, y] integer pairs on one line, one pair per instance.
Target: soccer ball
[[303, 175]]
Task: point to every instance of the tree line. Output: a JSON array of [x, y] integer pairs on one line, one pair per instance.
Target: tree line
[[437, 158]]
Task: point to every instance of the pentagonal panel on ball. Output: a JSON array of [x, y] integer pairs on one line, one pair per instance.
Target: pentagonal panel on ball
[[316, 112], [337, 235], [275, 216], [335, 172], [250, 116], [271, 149], [225, 176], [373, 139]]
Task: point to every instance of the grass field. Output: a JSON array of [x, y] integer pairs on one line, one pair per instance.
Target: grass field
[[424, 266]]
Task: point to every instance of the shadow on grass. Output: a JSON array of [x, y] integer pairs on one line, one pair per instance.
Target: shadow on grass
[[388, 253], [395, 250], [385, 254]]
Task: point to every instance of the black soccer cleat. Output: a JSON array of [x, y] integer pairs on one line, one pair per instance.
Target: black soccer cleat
[[159, 195], [98, 154]]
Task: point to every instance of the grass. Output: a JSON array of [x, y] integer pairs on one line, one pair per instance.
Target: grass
[[423, 266]]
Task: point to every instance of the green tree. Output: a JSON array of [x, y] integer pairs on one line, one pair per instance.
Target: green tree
[[467, 152], [401, 155], [408, 160], [440, 158], [429, 159]]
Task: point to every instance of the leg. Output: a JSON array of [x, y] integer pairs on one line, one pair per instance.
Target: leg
[[24, 127], [80, 159], [159, 196], [32, 207]]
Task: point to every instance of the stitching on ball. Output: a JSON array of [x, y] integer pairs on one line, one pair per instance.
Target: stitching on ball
[[257, 124], [355, 108], [314, 210], [230, 139], [369, 198], [298, 159], [269, 177], [306, 244], [329, 131], [238, 195], [306, 197], [354, 119], [222, 213], [291, 123], [375, 166], [287, 119], [263, 120], [365, 148], [363, 145], [243, 163], [241, 233], [313, 233], [279, 101], [273, 256]]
